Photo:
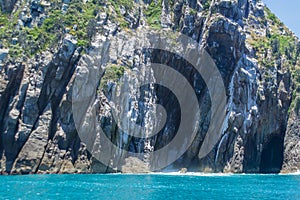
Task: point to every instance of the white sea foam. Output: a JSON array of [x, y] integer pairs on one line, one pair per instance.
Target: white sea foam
[[191, 174], [217, 174], [295, 173]]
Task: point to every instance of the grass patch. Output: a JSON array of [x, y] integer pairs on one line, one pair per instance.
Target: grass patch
[[79, 18], [193, 11], [116, 4], [128, 4], [284, 42], [206, 5], [153, 14], [112, 74], [279, 44], [7, 24], [272, 17]]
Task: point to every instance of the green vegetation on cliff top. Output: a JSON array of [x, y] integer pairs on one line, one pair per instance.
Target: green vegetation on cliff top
[[78, 20], [279, 44]]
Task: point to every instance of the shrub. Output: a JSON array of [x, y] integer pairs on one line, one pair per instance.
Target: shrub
[[5, 29], [272, 17], [153, 14], [284, 42], [206, 5], [119, 17], [52, 29], [112, 74], [128, 4]]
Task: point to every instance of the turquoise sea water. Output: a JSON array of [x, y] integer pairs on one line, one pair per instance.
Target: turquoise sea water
[[161, 186]]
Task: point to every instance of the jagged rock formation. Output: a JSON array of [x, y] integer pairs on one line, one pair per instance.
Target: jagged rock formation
[[291, 146], [56, 41]]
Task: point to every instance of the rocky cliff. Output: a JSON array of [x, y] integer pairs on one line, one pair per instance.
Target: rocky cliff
[[54, 51]]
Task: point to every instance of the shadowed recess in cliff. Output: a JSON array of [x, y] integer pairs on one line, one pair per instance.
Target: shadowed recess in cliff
[[182, 66], [272, 156]]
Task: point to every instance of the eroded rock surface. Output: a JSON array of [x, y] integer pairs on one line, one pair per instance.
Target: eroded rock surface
[[38, 133]]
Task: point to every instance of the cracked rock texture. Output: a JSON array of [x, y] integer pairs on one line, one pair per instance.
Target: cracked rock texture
[[37, 92]]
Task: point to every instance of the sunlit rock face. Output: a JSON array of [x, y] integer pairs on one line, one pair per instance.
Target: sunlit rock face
[[93, 60]]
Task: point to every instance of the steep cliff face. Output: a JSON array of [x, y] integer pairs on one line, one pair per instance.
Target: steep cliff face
[[54, 53]]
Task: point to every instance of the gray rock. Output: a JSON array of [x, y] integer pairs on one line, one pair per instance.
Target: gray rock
[[31, 154], [7, 5], [134, 165], [3, 53], [37, 96]]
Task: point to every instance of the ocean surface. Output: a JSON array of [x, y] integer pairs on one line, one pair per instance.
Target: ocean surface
[[154, 186]]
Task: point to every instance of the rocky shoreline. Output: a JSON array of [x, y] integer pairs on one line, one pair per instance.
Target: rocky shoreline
[[46, 44]]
